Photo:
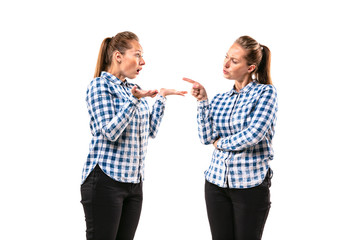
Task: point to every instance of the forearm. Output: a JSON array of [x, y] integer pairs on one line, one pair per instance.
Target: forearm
[[263, 119], [111, 124], [240, 141], [206, 131], [156, 115]]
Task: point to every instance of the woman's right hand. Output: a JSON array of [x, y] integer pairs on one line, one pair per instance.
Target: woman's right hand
[[198, 90]]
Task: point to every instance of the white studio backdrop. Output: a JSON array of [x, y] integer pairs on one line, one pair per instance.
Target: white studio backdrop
[[48, 53]]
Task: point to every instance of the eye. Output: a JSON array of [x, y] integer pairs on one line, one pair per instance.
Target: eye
[[234, 61]]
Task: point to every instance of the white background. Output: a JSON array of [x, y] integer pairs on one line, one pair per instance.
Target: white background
[[48, 54]]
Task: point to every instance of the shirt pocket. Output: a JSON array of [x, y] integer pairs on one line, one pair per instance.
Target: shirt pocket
[[118, 101], [240, 117]]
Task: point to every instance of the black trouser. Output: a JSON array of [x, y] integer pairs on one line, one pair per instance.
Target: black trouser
[[112, 209], [237, 213]]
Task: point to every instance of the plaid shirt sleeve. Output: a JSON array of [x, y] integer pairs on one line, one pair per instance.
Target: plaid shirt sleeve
[[156, 115], [263, 116], [207, 132], [100, 105]]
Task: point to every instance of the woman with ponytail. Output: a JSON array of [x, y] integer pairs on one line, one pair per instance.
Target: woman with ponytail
[[121, 123], [240, 124]]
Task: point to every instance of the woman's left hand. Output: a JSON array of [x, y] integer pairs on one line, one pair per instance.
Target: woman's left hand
[[143, 93], [165, 92], [215, 143]]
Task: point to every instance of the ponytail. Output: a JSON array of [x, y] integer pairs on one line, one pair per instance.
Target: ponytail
[[263, 70], [102, 61]]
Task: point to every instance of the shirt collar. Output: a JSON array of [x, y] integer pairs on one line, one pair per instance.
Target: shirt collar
[[245, 89], [114, 79]]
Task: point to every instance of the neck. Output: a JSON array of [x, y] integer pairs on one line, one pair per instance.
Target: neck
[[240, 84], [112, 70]]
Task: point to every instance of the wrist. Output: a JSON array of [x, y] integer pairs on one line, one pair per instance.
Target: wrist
[[203, 99], [162, 92]]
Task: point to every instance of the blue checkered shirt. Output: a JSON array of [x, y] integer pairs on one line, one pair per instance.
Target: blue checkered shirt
[[244, 121], [120, 126]]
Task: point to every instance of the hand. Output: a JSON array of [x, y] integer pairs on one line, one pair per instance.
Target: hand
[[215, 143], [198, 91], [165, 92], [138, 93]]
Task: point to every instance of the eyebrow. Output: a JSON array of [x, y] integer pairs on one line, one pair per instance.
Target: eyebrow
[[233, 57]]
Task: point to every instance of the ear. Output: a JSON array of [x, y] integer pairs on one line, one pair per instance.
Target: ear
[[251, 68], [117, 56]]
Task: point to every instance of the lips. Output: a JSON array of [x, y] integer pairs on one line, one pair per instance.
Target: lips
[[138, 70], [225, 72]]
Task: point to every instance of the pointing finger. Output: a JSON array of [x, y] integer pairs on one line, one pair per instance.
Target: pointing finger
[[188, 80]]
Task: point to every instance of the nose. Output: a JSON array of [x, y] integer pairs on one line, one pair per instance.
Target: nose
[[142, 61], [227, 63]]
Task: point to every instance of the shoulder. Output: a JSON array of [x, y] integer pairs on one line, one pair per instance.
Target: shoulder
[[99, 84], [264, 89], [98, 88], [266, 94]]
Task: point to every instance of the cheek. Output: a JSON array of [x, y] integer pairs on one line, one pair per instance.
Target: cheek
[[134, 63], [240, 71], [130, 65], [235, 70]]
